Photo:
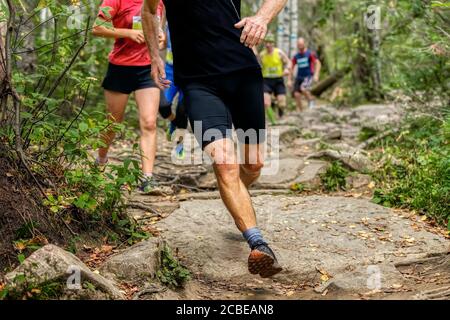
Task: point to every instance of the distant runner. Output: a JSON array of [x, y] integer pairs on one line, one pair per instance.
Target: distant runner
[[275, 66], [308, 72], [129, 71]]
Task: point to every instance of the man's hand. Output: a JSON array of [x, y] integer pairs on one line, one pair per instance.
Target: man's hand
[[316, 78], [136, 36], [254, 30], [159, 73]]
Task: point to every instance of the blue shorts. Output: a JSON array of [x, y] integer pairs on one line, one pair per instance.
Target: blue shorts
[[172, 91]]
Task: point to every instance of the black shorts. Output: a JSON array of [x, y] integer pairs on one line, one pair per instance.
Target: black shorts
[[126, 79], [274, 86], [303, 84], [214, 104]]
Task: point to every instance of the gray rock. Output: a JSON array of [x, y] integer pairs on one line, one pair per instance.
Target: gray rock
[[364, 279], [376, 116], [334, 134], [284, 133], [138, 262], [52, 264], [310, 174], [354, 159], [288, 171], [335, 234], [358, 181]]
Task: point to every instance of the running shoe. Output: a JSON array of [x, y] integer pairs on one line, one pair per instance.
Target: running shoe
[[311, 104], [148, 185], [262, 261], [271, 116]]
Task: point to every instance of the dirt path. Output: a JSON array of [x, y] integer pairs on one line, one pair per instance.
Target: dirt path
[[331, 246], [337, 245]]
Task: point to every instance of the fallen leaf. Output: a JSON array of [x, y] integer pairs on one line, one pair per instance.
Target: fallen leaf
[[20, 246], [290, 293], [324, 278], [106, 249]]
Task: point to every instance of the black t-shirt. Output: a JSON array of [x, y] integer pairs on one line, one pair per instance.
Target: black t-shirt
[[204, 39]]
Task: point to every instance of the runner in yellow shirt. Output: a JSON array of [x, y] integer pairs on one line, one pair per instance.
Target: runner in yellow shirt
[[275, 66]]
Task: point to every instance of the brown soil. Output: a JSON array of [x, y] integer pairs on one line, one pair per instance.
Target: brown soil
[[22, 215]]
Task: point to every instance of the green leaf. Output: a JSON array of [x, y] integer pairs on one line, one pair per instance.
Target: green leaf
[[83, 127], [21, 258]]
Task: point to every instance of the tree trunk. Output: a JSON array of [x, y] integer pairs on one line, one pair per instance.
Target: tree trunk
[[327, 83], [376, 62], [3, 27]]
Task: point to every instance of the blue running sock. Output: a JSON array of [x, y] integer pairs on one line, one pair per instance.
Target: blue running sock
[[254, 237]]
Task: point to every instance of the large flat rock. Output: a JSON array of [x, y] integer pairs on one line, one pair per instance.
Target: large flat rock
[[335, 234], [280, 173]]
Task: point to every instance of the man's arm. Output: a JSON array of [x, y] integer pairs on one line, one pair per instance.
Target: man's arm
[[255, 28], [317, 68], [150, 26], [292, 73], [287, 63]]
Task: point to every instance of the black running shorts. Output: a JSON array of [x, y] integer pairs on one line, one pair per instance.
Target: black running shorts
[[214, 104], [303, 84], [274, 86], [126, 79]]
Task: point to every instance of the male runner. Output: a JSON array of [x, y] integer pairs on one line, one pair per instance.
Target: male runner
[[222, 84], [275, 66], [308, 72]]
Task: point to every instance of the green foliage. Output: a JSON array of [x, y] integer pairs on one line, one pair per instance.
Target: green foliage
[[413, 55], [28, 291], [62, 118], [130, 229], [421, 179], [366, 133], [171, 272], [335, 177], [298, 187]]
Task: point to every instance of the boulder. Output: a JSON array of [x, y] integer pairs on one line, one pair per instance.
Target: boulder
[[353, 158], [52, 264], [136, 263], [376, 116], [310, 174]]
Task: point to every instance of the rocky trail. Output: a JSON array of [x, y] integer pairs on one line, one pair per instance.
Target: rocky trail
[[336, 245]]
